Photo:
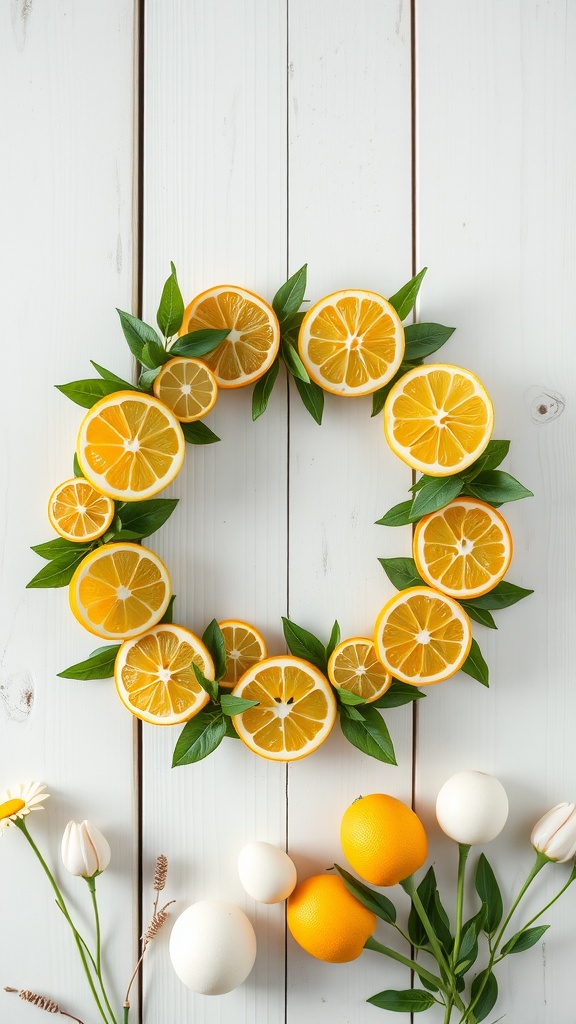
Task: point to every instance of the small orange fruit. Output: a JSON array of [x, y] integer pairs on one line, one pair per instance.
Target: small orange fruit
[[187, 387], [79, 512], [383, 839], [327, 920], [354, 666]]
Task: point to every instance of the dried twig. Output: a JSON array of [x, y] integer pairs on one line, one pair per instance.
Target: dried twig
[[42, 1002], [158, 918], [160, 873]]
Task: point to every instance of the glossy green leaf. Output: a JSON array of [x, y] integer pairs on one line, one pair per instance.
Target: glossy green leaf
[[293, 362], [200, 737], [209, 685], [426, 889], [214, 640], [137, 334], [312, 397], [370, 898], [475, 665], [87, 392], [410, 1000], [59, 571], [124, 385], [333, 641], [263, 389], [348, 698], [100, 665], [424, 339], [147, 378], [404, 299], [154, 355], [232, 705], [402, 572], [487, 982], [497, 487], [489, 892], [397, 695], [198, 433], [304, 644], [524, 939], [478, 614], [290, 296], [369, 733], [142, 518], [494, 453], [198, 343], [168, 616], [398, 515], [503, 595], [60, 546], [76, 466], [435, 494], [171, 308]]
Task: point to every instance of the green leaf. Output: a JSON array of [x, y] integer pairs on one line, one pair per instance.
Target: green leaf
[[524, 939], [398, 515], [495, 486], [312, 397], [100, 665], [488, 997], [349, 711], [425, 890], [435, 494], [397, 695], [142, 518], [60, 546], [348, 698], [198, 343], [379, 397], [171, 308], [369, 735], [468, 952], [478, 614], [263, 389], [230, 730], [76, 466], [440, 923], [475, 665], [209, 685], [333, 641], [410, 1000], [503, 595], [137, 334], [494, 453], [147, 378], [59, 571], [108, 375], [214, 640], [402, 572], [291, 328], [424, 339], [489, 892], [199, 737], [404, 299], [293, 362], [198, 433], [304, 644], [374, 901], [154, 355], [290, 296], [168, 616], [232, 705], [87, 392]]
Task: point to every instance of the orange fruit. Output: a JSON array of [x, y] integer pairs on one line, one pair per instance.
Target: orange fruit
[[154, 675], [327, 920], [254, 333], [383, 839], [351, 342], [422, 636], [463, 549], [353, 666], [119, 590], [187, 387], [78, 512], [438, 418], [296, 708], [245, 646], [130, 446]]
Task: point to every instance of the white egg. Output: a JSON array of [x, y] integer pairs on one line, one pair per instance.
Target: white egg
[[212, 947], [266, 872], [472, 807]]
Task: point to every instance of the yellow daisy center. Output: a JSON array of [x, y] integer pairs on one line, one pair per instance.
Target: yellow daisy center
[[11, 807]]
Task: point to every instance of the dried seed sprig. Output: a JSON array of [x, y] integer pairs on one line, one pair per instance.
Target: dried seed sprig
[[160, 873], [42, 1002], [158, 919]]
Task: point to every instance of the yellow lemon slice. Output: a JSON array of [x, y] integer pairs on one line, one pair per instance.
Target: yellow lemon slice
[[296, 709], [438, 418], [187, 387], [78, 512], [351, 342], [353, 666], [422, 636], [154, 675], [119, 591], [130, 446], [253, 333], [245, 646], [463, 549]]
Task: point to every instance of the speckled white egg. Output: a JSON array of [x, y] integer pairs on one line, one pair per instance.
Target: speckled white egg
[[472, 807], [266, 872], [212, 947]]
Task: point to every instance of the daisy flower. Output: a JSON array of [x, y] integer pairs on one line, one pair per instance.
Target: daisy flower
[[17, 803]]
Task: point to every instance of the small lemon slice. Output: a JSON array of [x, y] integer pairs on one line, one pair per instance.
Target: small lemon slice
[[353, 666], [79, 512], [244, 645], [187, 387]]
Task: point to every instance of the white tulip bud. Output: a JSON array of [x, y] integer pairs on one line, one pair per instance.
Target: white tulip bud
[[554, 834], [85, 851], [472, 808]]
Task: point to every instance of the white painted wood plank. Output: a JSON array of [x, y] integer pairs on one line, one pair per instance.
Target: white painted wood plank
[[66, 74], [496, 89], [215, 203], [350, 219]]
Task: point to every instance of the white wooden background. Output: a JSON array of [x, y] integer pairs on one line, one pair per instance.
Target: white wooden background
[[367, 139]]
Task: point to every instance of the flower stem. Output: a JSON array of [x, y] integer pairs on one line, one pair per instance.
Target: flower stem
[[463, 852], [443, 962], [21, 824], [91, 883], [373, 943]]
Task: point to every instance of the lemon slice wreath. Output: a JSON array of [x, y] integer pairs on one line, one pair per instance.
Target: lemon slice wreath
[[438, 419]]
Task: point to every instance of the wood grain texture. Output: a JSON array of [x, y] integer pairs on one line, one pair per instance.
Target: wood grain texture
[[66, 76]]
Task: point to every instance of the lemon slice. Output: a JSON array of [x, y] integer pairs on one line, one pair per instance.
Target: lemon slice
[[353, 666], [119, 591], [438, 418], [463, 549], [296, 709], [187, 387], [351, 342], [244, 645], [154, 675], [422, 636], [78, 512], [130, 446], [253, 333]]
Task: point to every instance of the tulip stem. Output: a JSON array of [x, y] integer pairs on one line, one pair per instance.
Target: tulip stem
[[463, 851], [21, 824], [91, 883], [373, 943]]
